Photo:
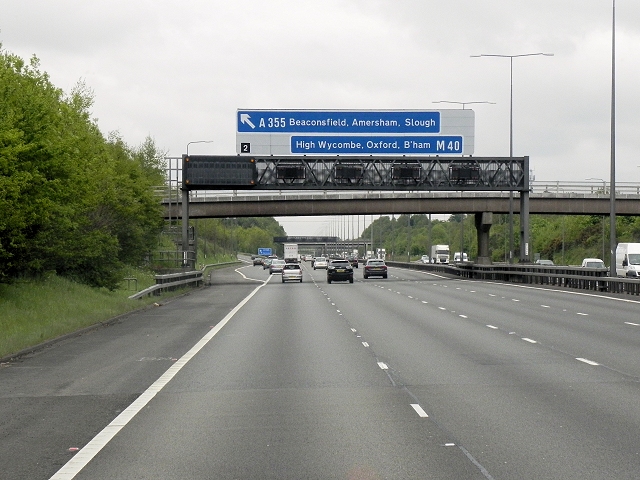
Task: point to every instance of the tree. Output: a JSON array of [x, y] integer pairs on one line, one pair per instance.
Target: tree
[[72, 201]]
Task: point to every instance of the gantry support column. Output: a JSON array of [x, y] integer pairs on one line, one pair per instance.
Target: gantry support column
[[483, 223]]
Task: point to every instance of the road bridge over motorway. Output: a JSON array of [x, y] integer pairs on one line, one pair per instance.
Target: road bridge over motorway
[[557, 198], [335, 185], [564, 199]]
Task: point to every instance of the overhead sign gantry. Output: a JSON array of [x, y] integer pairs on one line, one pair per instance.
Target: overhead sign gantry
[[356, 150], [355, 132], [210, 172]]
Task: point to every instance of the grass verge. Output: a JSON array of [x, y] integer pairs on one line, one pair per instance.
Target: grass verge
[[33, 312]]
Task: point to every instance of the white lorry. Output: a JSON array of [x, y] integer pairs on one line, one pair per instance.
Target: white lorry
[[291, 253], [628, 260], [440, 253]]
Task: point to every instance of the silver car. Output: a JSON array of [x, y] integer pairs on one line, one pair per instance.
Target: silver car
[[292, 272], [276, 266], [320, 262]]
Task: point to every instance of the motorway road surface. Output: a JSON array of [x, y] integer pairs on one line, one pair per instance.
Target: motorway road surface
[[414, 377]]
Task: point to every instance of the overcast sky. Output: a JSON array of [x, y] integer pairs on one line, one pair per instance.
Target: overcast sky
[[178, 70]]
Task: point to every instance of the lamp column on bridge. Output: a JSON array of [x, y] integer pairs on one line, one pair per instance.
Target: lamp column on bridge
[[604, 191], [524, 196], [482, 228]]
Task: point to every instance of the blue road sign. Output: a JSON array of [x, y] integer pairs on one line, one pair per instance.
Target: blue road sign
[[373, 145], [264, 251], [340, 122]]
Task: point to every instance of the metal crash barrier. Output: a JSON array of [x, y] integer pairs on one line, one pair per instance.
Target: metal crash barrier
[[560, 276], [171, 281]]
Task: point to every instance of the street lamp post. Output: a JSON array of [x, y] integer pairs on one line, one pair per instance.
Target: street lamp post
[[462, 216], [197, 141], [523, 248], [612, 185], [463, 103]]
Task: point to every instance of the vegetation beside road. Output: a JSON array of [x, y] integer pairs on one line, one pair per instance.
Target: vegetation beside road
[[73, 201], [565, 239], [34, 312]]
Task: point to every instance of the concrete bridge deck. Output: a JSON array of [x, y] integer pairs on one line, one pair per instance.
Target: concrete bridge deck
[[545, 198]]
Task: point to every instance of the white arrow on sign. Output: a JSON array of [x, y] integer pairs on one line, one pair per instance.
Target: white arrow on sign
[[244, 118]]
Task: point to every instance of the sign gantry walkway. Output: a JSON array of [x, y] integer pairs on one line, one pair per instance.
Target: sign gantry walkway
[[206, 172]]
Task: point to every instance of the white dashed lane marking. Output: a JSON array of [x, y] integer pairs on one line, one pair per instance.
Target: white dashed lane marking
[[588, 362], [419, 410]]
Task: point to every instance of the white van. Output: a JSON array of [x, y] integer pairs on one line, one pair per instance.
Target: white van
[[628, 260], [456, 257]]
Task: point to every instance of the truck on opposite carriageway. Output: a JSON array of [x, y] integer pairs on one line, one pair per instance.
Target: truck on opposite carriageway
[[440, 253]]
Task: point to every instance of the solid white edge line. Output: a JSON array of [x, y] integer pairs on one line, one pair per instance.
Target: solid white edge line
[[97, 443], [419, 410], [237, 270]]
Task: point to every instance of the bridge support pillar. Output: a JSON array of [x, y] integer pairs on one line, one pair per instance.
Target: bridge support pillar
[[483, 223]]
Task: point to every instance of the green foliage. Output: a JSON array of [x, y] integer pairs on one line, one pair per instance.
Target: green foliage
[[564, 239], [40, 310], [72, 201], [237, 234]]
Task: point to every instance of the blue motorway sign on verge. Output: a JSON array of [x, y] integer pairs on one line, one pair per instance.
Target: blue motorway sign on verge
[[264, 251]]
